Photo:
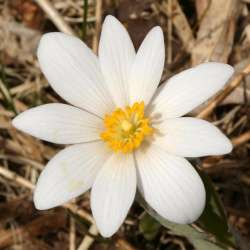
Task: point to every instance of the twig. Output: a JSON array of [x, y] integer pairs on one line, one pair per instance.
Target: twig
[[72, 234], [245, 137], [55, 17], [22, 160], [123, 244], [180, 23], [37, 227], [98, 21], [25, 183], [88, 240], [235, 82], [169, 48], [14, 177], [80, 212]]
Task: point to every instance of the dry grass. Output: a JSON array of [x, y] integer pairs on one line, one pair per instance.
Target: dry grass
[[195, 31]]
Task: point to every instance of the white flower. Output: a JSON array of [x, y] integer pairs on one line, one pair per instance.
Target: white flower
[[117, 147]]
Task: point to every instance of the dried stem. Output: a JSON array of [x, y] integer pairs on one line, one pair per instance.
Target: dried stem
[[235, 82], [98, 21], [27, 184], [55, 17], [243, 138], [169, 48], [88, 240], [72, 234]]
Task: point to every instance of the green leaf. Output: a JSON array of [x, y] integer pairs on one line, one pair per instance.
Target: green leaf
[[213, 219], [181, 230], [149, 227], [199, 240], [205, 245]]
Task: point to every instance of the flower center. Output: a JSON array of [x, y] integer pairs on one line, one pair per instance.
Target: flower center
[[125, 129]]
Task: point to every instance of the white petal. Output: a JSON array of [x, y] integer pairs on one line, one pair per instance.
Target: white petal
[[113, 193], [69, 173], [147, 68], [74, 73], [170, 185], [191, 137], [116, 54], [188, 89], [59, 123]]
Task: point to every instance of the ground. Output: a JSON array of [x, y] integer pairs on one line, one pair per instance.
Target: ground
[[195, 31]]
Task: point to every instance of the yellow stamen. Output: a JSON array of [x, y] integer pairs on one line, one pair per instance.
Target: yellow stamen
[[125, 129], [126, 126]]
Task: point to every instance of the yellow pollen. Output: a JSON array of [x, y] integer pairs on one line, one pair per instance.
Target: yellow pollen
[[126, 126], [125, 129]]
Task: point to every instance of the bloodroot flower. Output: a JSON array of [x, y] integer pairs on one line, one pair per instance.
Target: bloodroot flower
[[126, 132]]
